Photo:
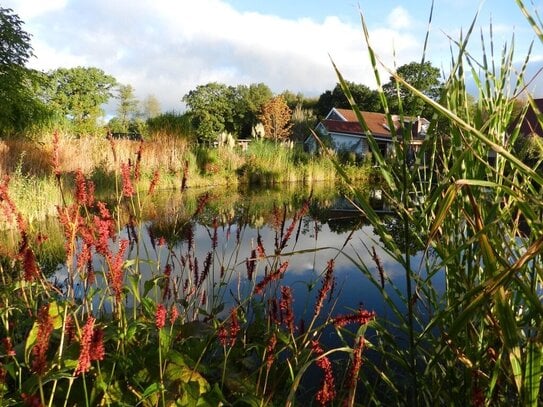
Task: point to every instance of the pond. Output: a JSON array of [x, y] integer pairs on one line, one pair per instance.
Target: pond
[[220, 238]]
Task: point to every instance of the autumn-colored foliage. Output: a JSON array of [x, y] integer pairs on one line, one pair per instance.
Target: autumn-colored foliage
[[276, 118]]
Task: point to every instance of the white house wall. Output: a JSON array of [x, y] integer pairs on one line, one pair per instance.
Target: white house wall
[[355, 144]]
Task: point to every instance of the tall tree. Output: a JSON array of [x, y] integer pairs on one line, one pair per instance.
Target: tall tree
[[276, 118], [150, 107], [251, 100], [212, 108], [422, 76], [365, 98], [78, 94], [127, 109], [19, 106]]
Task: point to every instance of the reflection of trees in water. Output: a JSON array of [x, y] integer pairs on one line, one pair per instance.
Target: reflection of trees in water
[[395, 227]]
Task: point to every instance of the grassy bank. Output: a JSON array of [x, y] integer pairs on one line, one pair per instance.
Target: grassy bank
[[164, 162]]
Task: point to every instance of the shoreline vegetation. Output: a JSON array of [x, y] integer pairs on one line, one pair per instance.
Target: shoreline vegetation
[[163, 162], [222, 331]]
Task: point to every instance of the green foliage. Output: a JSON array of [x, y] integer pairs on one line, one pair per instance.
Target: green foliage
[[251, 100], [365, 98], [212, 110], [127, 109], [424, 77], [171, 124], [20, 111], [78, 94]]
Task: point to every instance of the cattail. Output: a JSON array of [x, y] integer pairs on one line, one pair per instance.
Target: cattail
[[160, 316], [285, 305], [327, 285], [154, 182], [39, 352], [327, 392], [361, 317], [128, 188]]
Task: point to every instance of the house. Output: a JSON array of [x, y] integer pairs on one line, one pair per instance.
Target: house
[[342, 129]]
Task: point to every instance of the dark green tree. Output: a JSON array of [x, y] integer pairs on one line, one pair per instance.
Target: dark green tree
[[422, 76], [251, 99], [20, 109], [213, 110], [365, 98], [78, 94]]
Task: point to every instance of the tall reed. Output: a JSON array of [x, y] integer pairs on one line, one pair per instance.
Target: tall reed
[[478, 340]]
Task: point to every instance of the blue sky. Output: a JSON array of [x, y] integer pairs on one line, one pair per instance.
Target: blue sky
[[168, 47]]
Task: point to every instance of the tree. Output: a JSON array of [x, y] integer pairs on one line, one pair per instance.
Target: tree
[[365, 98], [212, 108], [251, 100], [424, 77], [127, 110], [78, 94], [276, 118], [150, 107], [19, 107]]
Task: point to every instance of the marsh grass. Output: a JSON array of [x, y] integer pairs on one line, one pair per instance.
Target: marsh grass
[[478, 341]]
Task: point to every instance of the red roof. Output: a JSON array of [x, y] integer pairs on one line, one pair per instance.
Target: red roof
[[376, 123]]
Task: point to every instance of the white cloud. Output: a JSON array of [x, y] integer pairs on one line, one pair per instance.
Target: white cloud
[[28, 9], [167, 47], [399, 18]]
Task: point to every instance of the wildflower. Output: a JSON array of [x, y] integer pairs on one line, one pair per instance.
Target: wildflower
[[222, 335], [39, 352], [270, 351], [128, 189], [327, 285], [161, 241], [207, 266], [160, 316], [115, 274], [30, 267], [154, 182], [167, 272], [356, 363], [361, 317], [174, 314], [8, 207], [86, 351], [80, 188], [379, 265], [8, 346], [251, 264], [98, 350], [327, 392], [69, 328], [202, 202], [31, 400], [276, 275], [285, 305], [234, 326]]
